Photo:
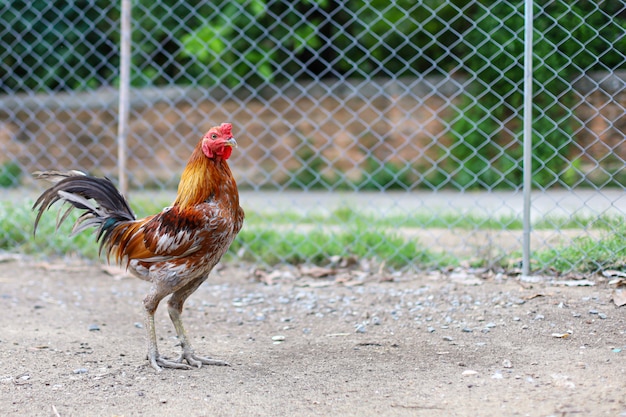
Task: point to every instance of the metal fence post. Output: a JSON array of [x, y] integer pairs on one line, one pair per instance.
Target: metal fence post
[[124, 95], [527, 134]]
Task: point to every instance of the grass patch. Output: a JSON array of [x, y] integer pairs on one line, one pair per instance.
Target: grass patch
[[273, 246], [291, 237], [429, 219], [16, 234], [585, 254], [604, 222], [423, 219]]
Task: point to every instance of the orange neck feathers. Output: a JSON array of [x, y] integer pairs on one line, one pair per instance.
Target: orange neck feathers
[[202, 179]]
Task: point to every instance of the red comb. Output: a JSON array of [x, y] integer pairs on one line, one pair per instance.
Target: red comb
[[226, 129]]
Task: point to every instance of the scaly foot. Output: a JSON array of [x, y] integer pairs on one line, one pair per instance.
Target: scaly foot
[[192, 359], [159, 362]]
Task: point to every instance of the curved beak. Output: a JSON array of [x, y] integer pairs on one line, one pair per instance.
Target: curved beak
[[231, 142]]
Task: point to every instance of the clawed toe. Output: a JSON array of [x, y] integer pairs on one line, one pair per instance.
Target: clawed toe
[[160, 362], [197, 361], [193, 361]]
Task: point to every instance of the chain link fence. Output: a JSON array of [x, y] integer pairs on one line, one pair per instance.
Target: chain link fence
[[398, 119]]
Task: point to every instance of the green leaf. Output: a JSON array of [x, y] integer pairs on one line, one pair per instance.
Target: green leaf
[[266, 71], [306, 36], [258, 7]]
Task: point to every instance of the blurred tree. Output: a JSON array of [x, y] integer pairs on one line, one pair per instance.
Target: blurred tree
[[487, 129], [56, 45]]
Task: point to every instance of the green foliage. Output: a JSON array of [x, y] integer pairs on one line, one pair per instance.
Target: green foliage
[[312, 174], [250, 42], [400, 38], [487, 130], [272, 246], [244, 44], [56, 45], [604, 222], [16, 233], [263, 240], [379, 175], [295, 237], [61, 44], [585, 254], [73, 45], [10, 174], [448, 219]]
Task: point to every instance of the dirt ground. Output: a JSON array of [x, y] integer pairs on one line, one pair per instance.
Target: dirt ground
[[313, 342]]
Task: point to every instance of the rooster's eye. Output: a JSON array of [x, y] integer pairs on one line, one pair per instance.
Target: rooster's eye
[[213, 136]]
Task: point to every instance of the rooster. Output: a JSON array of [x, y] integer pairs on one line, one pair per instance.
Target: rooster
[[176, 249]]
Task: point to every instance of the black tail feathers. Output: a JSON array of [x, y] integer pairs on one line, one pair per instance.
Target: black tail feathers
[[102, 203]]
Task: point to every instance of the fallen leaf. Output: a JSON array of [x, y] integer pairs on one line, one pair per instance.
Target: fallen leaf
[[350, 279], [317, 271], [610, 273], [268, 278], [343, 261], [619, 297], [532, 296], [343, 278]]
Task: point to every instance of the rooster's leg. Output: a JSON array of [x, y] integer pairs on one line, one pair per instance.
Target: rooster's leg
[[175, 308], [151, 302]]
